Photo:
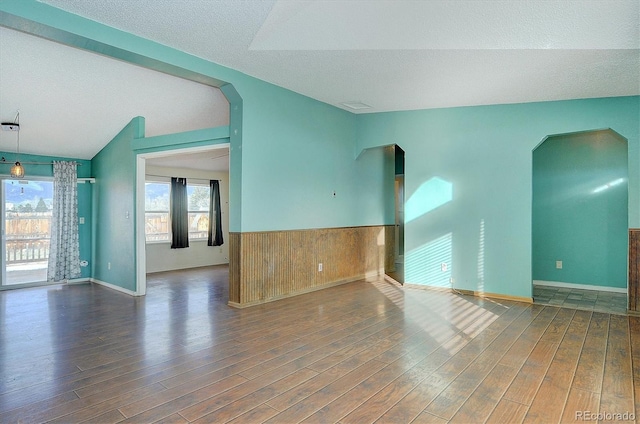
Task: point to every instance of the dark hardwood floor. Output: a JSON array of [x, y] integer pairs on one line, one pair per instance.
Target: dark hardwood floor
[[357, 353]]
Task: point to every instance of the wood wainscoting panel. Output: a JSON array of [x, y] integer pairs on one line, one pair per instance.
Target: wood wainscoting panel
[[234, 267], [634, 270], [271, 265], [390, 248]]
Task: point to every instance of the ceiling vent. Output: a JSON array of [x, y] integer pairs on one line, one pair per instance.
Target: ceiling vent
[[356, 105]]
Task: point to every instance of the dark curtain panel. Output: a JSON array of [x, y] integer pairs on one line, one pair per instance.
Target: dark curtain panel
[[179, 213], [215, 215]]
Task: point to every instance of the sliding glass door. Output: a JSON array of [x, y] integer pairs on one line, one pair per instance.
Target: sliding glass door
[[26, 221]]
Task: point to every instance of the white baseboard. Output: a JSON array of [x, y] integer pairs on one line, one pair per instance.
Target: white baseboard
[[79, 280], [113, 287], [578, 286]]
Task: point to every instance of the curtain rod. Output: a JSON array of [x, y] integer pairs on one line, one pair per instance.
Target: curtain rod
[[6, 162], [167, 176]]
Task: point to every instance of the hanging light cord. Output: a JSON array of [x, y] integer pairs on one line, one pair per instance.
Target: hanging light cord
[[17, 121]]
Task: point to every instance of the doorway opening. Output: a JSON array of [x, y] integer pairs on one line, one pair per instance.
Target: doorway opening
[[580, 221], [26, 211], [399, 201], [198, 165]]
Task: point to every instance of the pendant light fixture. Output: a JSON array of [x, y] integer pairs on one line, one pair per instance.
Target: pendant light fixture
[[17, 170]]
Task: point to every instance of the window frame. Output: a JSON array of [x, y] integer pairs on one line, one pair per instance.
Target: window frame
[[167, 212], [206, 212], [167, 180]]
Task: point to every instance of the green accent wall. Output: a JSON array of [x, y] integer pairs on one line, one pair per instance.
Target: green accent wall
[[85, 191], [290, 153], [580, 209], [114, 169], [484, 232]]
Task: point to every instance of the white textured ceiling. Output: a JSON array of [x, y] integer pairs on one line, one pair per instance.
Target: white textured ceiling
[[72, 102], [216, 159], [391, 55]]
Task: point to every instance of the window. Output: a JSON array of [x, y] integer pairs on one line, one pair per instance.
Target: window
[[156, 212], [199, 199], [157, 225]]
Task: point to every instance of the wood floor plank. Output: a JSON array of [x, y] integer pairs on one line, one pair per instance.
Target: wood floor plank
[[427, 418], [106, 418], [286, 400], [172, 419], [256, 398], [548, 404], [636, 389], [526, 384], [430, 388], [214, 403], [317, 400], [479, 406], [591, 363], [168, 408], [324, 356], [311, 351], [517, 354], [31, 411], [104, 372], [356, 353], [335, 410], [578, 404], [87, 408], [380, 403], [617, 383], [528, 328], [256, 415], [447, 403], [507, 412], [634, 332], [143, 403]]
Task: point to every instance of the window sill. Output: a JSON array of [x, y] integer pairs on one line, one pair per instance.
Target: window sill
[[169, 241]]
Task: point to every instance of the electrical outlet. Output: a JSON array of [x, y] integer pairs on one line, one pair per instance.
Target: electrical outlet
[[108, 265], [444, 267], [320, 267], [82, 220], [558, 264]]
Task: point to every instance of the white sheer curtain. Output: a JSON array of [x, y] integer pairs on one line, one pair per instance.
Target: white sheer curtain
[[64, 251]]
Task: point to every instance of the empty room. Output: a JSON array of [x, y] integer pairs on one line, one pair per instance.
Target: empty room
[[348, 211]]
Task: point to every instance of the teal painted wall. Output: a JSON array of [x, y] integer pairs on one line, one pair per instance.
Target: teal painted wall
[[469, 176], [289, 153], [114, 169], [580, 209], [296, 153], [84, 195]]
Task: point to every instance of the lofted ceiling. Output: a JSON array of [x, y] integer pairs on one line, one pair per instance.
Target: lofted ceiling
[[216, 159], [377, 55], [73, 102]]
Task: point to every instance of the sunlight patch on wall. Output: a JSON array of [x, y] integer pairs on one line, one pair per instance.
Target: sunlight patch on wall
[[481, 258], [608, 185], [430, 195], [430, 264]]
